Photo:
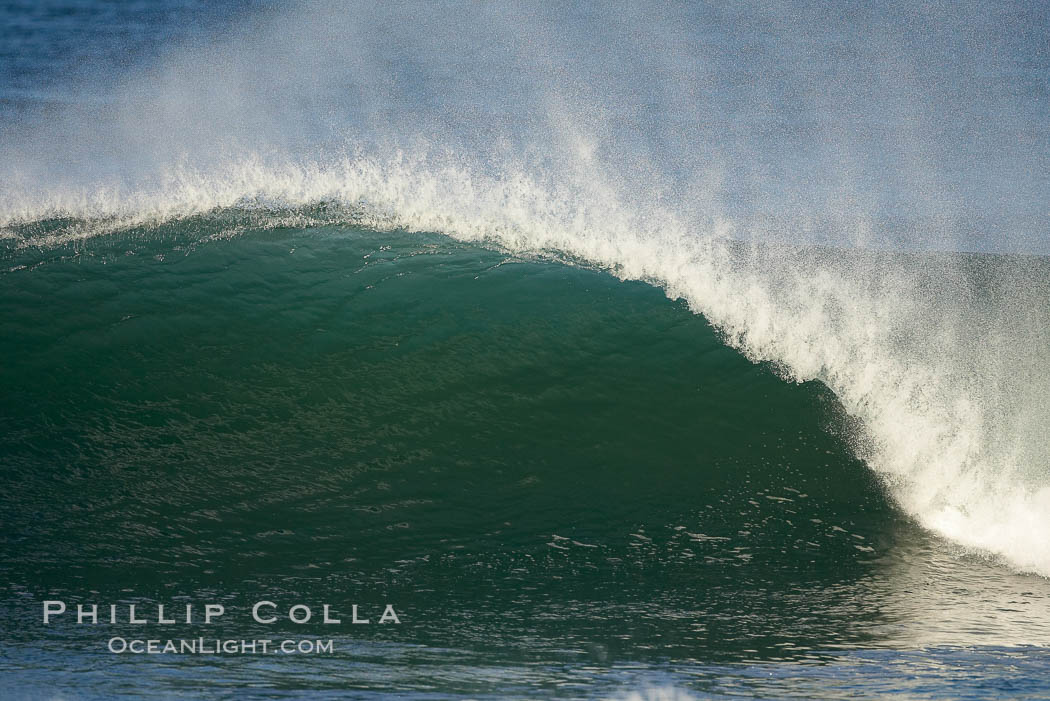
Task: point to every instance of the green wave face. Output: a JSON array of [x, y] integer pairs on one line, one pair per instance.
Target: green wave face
[[393, 413], [533, 460]]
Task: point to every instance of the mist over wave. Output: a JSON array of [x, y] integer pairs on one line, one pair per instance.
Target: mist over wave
[[850, 197]]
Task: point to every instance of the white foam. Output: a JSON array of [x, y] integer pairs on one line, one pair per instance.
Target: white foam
[[656, 693]]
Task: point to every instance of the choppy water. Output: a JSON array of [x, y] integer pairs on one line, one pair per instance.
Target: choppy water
[[681, 368]]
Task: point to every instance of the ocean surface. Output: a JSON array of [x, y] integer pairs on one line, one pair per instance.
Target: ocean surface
[[629, 352]]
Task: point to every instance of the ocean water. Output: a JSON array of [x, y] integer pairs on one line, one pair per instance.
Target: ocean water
[[634, 352]]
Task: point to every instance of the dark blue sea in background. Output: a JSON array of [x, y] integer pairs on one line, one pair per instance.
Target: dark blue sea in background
[[652, 352]]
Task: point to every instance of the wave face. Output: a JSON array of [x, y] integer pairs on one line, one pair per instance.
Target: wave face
[[560, 479], [848, 198]]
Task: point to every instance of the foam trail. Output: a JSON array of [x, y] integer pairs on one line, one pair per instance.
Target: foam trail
[[658, 693], [632, 143]]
